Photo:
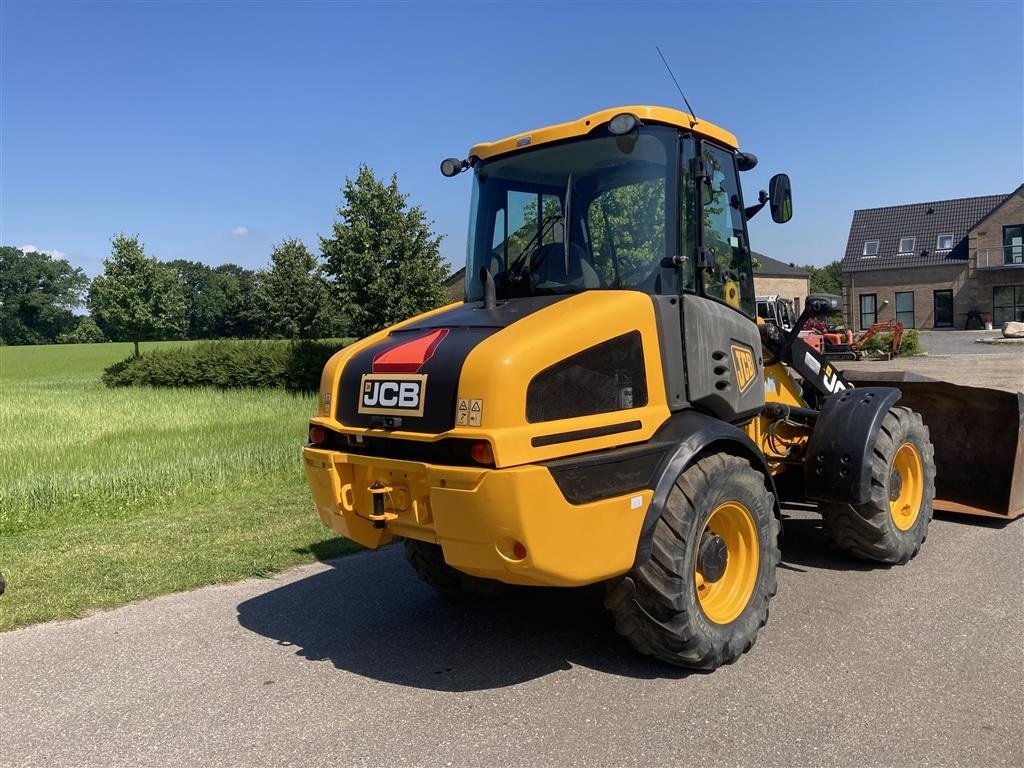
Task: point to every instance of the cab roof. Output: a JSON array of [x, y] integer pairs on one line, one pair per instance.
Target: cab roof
[[587, 123]]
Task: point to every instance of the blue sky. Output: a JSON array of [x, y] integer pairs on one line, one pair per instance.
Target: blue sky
[[216, 130]]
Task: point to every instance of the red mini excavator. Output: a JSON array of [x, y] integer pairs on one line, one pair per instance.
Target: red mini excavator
[[839, 343]]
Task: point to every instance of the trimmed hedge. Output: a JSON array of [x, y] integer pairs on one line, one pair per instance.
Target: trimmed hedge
[[295, 366]]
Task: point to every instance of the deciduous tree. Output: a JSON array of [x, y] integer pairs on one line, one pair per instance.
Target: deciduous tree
[[37, 296], [827, 279], [136, 298], [292, 297], [383, 257]]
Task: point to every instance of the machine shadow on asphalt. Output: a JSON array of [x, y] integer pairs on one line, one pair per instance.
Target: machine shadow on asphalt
[[371, 616], [805, 545]]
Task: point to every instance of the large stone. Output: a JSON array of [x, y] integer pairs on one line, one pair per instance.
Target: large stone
[[1013, 330]]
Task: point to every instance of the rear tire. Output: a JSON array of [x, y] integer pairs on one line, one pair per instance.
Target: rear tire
[[428, 562], [893, 524], [666, 607]]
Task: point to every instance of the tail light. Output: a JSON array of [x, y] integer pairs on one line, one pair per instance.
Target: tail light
[[317, 434], [482, 453]]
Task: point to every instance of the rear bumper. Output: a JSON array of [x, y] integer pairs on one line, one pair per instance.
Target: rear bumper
[[478, 515]]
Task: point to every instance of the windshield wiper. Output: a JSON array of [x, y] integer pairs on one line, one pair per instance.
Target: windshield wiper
[[547, 224], [567, 223]]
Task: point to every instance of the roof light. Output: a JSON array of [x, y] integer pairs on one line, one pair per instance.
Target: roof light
[[624, 122]]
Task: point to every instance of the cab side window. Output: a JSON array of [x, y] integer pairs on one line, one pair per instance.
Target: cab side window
[[728, 276]]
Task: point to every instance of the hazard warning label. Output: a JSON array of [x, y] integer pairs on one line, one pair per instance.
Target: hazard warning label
[[469, 412]]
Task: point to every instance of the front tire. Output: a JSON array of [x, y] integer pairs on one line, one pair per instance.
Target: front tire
[[702, 596], [893, 524]]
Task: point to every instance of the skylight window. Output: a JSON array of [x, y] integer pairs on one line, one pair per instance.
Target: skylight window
[[871, 248], [907, 245], [944, 243]]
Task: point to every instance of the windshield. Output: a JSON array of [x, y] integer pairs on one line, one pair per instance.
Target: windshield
[[615, 190]]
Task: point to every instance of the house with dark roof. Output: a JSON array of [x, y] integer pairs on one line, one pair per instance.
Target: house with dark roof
[[938, 264], [770, 277], [773, 277]]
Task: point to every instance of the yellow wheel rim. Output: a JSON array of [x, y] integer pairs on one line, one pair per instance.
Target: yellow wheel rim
[[725, 598], [906, 487]]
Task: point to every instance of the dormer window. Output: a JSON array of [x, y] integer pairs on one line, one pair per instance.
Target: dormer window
[[944, 243], [871, 248], [907, 244]]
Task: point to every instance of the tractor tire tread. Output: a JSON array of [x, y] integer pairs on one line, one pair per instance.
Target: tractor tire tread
[[651, 605], [866, 531]]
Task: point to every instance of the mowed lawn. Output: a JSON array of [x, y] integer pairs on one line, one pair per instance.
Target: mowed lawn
[[112, 495]]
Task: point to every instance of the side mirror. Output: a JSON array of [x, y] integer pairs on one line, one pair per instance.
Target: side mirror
[[780, 196]]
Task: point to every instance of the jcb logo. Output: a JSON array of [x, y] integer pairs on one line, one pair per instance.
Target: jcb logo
[[393, 394], [746, 370], [831, 380]]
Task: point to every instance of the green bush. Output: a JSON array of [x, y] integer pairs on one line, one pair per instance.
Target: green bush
[[882, 342], [85, 332], [294, 366]]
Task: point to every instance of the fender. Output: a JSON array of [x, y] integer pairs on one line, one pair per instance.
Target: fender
[[692, 433], [837, 466]]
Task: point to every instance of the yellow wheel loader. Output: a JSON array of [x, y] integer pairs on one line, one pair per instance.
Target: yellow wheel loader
[[605, 407]]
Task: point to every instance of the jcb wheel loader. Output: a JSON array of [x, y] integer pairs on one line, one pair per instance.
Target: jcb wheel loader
[[604, 406]]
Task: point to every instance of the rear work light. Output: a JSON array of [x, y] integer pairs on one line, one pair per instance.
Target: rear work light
[[482, 453]]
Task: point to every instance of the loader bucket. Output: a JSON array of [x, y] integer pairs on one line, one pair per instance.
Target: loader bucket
[[978, 437]]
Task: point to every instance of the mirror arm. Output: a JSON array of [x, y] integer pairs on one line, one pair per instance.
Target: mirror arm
[[752, 210]]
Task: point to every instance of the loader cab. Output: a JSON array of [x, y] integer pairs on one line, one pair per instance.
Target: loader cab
[[646, 206]]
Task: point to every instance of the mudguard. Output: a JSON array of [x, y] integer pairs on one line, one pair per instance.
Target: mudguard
[[838, 463], [693, 432]]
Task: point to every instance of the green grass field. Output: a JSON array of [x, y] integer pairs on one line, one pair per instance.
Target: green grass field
[[113, 495]]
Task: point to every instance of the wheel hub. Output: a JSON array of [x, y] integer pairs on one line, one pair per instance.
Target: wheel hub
[[712, 557]]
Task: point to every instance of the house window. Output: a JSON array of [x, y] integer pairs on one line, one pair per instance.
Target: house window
[[942, 303], [907, 245], [905, 308], [944, 243], [1007, 303], [868, 310], [871, 248], [1013, 244]]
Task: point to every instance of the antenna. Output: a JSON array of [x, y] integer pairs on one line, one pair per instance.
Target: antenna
[[693, 115]]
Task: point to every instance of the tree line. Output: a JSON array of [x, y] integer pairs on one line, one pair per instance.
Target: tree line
[[380, 264]]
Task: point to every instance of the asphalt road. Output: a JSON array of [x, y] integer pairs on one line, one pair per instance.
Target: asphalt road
[[354, 662]]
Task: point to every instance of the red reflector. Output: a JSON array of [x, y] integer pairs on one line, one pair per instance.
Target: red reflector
[[480, 451], [317, 434], [519, 551]]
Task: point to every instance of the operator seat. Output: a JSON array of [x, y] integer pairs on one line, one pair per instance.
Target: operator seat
[[549, 261]]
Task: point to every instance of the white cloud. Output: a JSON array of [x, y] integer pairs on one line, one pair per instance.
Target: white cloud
[[240, 231], [54, 253]]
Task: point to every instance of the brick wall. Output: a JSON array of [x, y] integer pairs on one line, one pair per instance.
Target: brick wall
[[986, 252], [787, 287], [988, 234], [885, 283]]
